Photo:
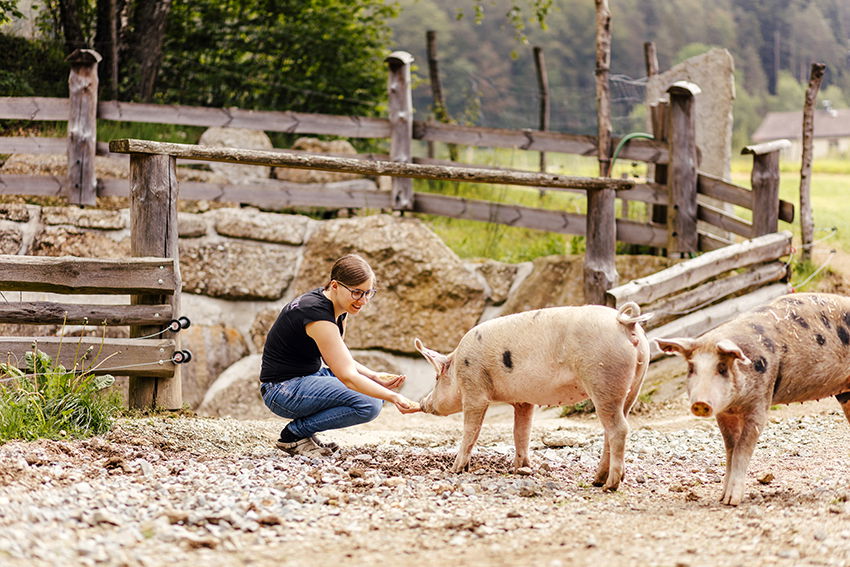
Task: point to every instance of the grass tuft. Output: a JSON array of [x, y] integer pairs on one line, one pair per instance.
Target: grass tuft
[[49, 401]]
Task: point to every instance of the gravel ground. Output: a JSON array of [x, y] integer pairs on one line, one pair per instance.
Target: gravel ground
[[189, 491]]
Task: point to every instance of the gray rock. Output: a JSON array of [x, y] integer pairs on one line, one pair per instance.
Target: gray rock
[[214, 348], [84, 218], [499, 277], [73, 241], [191, 225], [236, 392], [11, 239], [17, 212], [269, 227], [236, 270], [237, 138]]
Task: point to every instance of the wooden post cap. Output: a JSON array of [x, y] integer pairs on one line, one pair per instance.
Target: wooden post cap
[[84, 57], [684, 88], [397, 59]]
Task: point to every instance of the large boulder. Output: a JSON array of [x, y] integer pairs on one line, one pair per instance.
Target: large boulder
[[313, 145], [236, 392], [237, 138], [214, 348], [73, 241], [232, 269], [426, 291], [558, 280], [269, 227]]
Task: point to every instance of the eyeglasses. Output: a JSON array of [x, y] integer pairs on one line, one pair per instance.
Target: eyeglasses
[[357, 293]]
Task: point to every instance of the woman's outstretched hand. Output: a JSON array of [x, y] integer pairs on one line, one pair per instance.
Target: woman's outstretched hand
[[404, 405], [390, 381]]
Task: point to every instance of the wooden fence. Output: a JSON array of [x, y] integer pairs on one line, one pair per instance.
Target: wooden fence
[[696, 295], [677, 193], [150, 279]]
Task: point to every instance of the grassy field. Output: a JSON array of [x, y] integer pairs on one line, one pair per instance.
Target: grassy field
[[830, 190]]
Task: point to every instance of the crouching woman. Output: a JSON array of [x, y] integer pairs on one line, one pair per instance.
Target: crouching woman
[[294, 383]]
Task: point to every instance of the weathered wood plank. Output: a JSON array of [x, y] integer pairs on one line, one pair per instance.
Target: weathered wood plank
[[652, 193], [71, 274], [709, 241], [682, 172], [718, 188], [764, 180], [684, 303], [536, 140], [53, 313], [44, 185], [695, 324], [270, 121], [34, 108], [724, 220], [487, 211], [633, 232], [697, 270], [123, 357], [32, 145], [766, 148], [365, 167]]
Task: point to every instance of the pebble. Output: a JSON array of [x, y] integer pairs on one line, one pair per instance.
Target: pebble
[[201, 489]]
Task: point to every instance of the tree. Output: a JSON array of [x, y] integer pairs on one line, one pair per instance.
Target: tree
[[308, 55]]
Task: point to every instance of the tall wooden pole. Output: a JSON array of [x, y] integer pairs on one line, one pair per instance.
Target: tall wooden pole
[[807, 224], [401, 125], [600, 272], [81, 186], [543, 88], [153, 232], [682, 173]]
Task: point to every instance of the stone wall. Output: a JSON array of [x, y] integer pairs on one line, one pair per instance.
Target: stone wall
[[240, 266]]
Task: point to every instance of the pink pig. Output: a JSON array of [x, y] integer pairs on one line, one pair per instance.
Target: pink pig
[[795, 349], [552, 356]]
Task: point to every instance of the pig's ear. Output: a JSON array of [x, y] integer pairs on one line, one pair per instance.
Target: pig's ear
[[682, 346], [440, 362], [730, 348]]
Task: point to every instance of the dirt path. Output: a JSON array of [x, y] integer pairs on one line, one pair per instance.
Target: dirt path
[[213, 491]]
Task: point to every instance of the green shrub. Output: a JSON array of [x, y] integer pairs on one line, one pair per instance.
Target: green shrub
[[52, 402]]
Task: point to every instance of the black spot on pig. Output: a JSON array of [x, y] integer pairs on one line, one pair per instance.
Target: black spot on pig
[[784, 349], [799, 320], [768, 343], [760, 365], [847, 319], [478, 335], [506, 359], [843, 398], [844, 336], [466, 362], [820, 339], [825, 320]]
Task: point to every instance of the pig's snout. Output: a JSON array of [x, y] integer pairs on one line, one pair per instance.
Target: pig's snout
[[701, 409], [425, 404]]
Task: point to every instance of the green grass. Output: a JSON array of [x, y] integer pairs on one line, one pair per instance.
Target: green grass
[[50, 401]]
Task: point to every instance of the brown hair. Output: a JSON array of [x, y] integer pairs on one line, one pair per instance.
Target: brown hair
[[351, 269]]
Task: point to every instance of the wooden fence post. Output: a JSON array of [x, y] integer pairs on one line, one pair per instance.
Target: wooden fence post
[[600, 271], [765, 184], [682, 172], [153, 232], [401, 125], [807, 223], [81, 186]]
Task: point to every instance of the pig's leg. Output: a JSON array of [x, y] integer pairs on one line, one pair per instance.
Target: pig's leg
[[523, 414], [730, 428], [611, 465], [844, 400], [473, 417], [751, 426]]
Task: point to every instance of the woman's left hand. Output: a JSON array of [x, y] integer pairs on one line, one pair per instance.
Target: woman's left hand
[[390, 381]]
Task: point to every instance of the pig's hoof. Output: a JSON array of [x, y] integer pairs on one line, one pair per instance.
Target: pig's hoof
[[611, 488], [598, 482]]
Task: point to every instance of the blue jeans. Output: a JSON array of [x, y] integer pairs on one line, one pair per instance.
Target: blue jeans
[[319, 402]]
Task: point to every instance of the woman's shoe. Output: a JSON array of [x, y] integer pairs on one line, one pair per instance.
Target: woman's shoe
[[333, 447], [306, 447]]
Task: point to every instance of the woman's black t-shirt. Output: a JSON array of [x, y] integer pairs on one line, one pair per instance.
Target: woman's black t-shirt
[[289, 351]]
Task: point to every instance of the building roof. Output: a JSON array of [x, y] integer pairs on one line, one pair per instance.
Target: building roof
[[778, 125]]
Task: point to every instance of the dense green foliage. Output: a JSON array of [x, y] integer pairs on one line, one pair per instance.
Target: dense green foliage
[[32, 68], [303, 55], [51, 401]]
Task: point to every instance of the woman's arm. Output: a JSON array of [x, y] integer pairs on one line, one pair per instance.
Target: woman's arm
[[337, 356]]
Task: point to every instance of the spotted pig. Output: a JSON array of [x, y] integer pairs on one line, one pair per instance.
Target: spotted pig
[[795, 349], [552, 356]]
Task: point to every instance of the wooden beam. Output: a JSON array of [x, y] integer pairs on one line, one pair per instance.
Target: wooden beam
[[34, 108], [43, 185], [681, 304], [722, 190], [365, 167], [693, 272], [52, 313], [72, 274], [696, 324], [270, 121], [32, 145], [724, 220], [82, 127], [401, 125], [682, 172], [123, 357]]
